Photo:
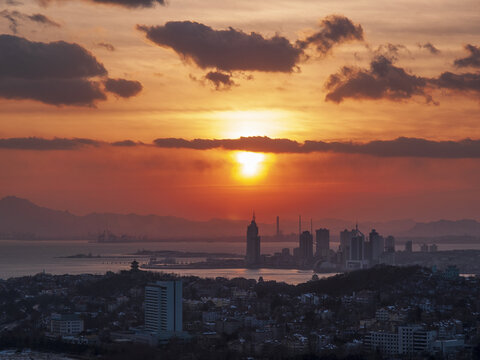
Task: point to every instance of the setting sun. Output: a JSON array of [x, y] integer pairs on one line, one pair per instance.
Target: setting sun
[[250, 163]]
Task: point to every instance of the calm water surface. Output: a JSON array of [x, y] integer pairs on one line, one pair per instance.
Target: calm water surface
[[20, 258]]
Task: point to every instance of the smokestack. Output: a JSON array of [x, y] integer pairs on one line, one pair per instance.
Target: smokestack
[[278, 226], [299, 224], [311, 226]]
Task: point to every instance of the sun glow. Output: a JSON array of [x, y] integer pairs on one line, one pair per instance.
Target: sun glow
[[250, 163], [236, 123]]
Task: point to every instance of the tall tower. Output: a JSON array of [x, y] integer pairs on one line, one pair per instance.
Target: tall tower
[[163, 308], [306, 245], [357, 245], [322, 243], [278, 226], [252, 257]]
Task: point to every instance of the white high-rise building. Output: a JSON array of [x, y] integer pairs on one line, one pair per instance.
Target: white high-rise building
[[163, 308]]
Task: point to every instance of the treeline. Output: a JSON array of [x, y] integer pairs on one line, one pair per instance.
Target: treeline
[[377, 278]]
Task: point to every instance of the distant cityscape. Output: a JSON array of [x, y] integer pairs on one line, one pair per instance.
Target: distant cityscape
[[355, 251]]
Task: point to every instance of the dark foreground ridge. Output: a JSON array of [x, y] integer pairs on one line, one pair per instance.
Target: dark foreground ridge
[[333, 318]]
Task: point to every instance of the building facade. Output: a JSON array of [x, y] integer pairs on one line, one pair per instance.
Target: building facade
[[408, 340], [65, 325], [322, 242], [306, 246], [163, 308]]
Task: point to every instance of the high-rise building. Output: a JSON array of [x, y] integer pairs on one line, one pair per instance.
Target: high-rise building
[[163, 308], [345, 238], [409, 246], [322, 242], [252, 257], [357, 245], [306, 246], [390, 244], [377, 246]]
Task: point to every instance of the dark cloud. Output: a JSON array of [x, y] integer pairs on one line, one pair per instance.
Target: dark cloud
[[79, 92], [221, 81], [125, 3], [391, 51], [11, 18], [56, 73], [122, 87], [226, 50], [107, 46], [335, 29], [15, 16], [458, 82], [254, 143], [126, 143], [34, 143], [10, 2], [21, 58], [430, 47], [472, 60], [234, 50], [399, 147], [42, 19], [382, 81]]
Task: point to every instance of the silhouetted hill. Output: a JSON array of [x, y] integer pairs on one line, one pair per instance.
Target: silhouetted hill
[[20, 218], [378, 278], [464, 227]]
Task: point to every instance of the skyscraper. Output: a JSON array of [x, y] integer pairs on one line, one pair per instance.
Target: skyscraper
[[390, 244], [306, 245], [163, 308], [322, 243], [357, 245], [252, 257], [409, 246], [377, 246], [345, 238]]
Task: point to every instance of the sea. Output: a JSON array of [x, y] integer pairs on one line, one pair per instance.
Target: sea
[[25, 258]]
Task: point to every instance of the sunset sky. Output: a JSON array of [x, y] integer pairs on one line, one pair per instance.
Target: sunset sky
[[346, 109]]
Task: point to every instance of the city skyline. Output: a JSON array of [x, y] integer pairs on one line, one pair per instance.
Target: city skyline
[[224, 179], [207, 110]]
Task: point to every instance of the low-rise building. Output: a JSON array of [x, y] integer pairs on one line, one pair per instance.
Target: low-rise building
[[66, 324]]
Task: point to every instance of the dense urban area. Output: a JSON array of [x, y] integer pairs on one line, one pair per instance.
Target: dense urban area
[[381, 312]]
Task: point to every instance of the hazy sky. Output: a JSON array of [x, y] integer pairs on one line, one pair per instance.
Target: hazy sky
[[374, 101]]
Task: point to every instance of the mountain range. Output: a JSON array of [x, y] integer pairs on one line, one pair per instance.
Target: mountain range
[[22, 218]]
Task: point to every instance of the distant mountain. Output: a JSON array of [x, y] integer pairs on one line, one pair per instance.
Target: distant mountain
[[20, 218], [465, 227]]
